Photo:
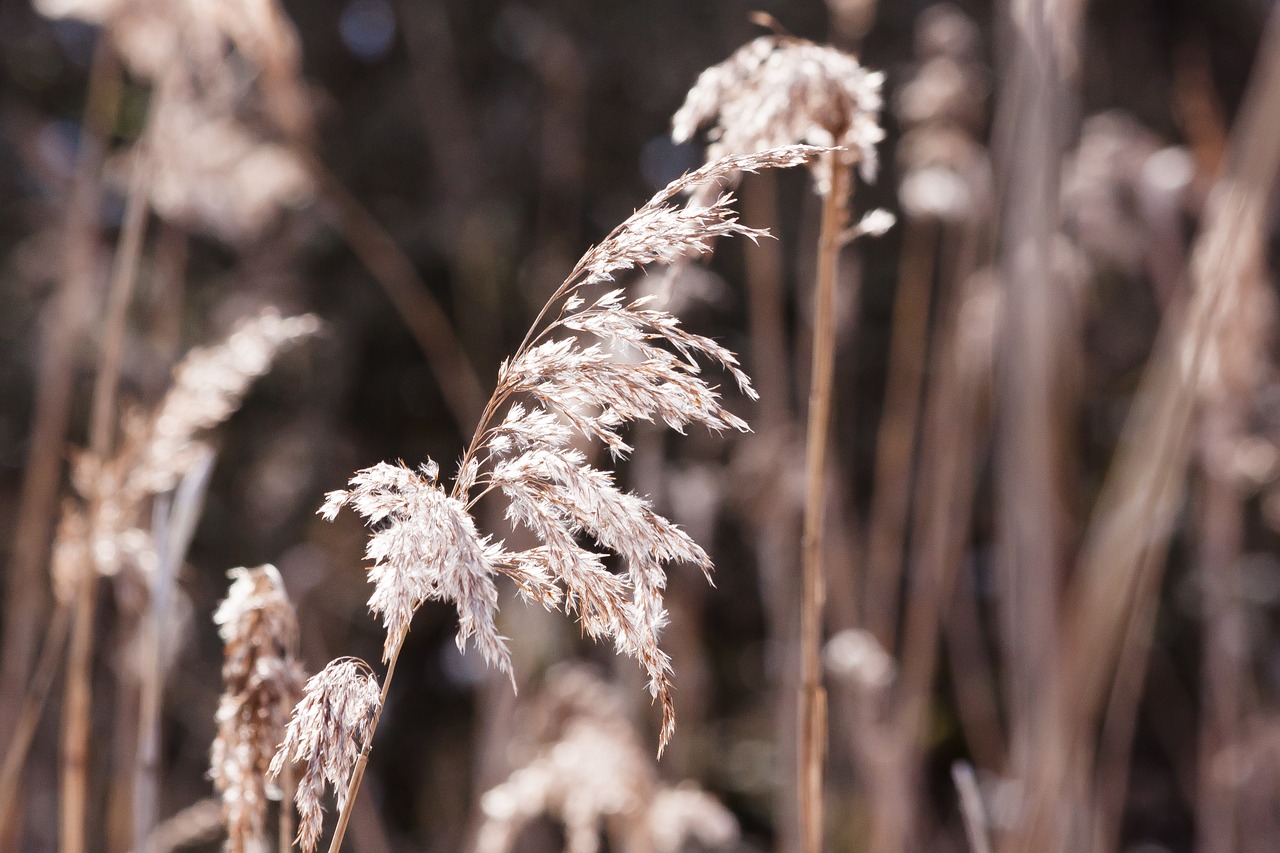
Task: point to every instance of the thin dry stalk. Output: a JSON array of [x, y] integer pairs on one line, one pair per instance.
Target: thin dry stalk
[[1030, 134], [77, 714], [780, 90], [813, 698], [975, 817], [409, 295], [1223, 667], [46, 670], [896, 438], [174, 525]]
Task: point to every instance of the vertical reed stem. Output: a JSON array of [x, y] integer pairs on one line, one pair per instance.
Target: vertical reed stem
[[896, 437], [813, 698], [77, 711]]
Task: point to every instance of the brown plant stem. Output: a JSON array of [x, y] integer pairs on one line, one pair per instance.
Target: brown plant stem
[[409, 295], [1031, 127], [175, 524], [896, 437], [1223, 672], [28, 719], [813, 699], [77, 710], [357, 774]]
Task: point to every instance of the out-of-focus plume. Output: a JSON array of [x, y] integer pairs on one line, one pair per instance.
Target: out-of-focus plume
[[851, 19], [217, 68], [945, 30], [261, 681], [589, 772], [1102, 184], [159, 448], [946, 174]]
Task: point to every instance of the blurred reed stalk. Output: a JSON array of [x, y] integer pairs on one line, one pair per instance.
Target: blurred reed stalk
[[174, 522], [1111, 604], [413, 301], [780, 90], [896, 437], [77, 710], [1029, 137]]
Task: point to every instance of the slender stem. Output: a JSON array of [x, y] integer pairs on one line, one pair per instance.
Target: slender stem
[[357, 775], [77, 709], [813, 701], [55, 644], [896, 437], [421, 313], [287, 782]]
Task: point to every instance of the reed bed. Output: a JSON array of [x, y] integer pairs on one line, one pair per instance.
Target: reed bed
[[941, 511]]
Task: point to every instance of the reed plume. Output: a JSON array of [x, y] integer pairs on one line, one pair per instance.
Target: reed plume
[[642, 365], [261, 682]]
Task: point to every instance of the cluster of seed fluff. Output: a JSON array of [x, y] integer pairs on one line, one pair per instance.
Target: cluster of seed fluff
[[326, 734], [640, 364], [209, 164], [108, 521], [589, 772], [780, 90], [261, 681]]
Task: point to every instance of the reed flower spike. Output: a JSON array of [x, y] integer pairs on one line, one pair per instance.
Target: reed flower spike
[[591, 363], [261, 681], [780, 90]]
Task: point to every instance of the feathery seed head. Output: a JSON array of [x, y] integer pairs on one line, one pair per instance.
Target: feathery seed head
[[208, 386], [587, 367], [327, 731], [780, 90], [261, 680]]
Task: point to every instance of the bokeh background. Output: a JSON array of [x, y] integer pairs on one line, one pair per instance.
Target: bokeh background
[[491, 143]]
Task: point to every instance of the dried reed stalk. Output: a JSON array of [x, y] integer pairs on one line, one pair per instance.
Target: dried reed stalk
[[896, 437], [24, 599], [780, 90], [408, 293], [1030, 135], [78, 704], [552, 389], [813, 697], [173, 525]]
